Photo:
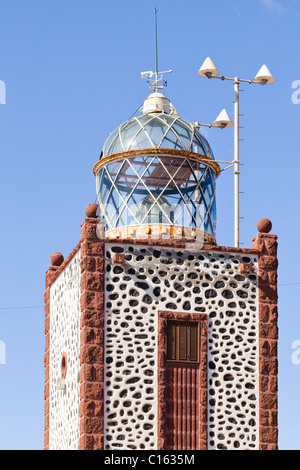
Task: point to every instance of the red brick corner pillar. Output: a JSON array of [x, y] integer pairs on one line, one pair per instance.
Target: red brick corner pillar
[[91, 334], [266, 244]]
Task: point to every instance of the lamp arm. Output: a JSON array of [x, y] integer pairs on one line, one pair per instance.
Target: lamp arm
[[241, 80]]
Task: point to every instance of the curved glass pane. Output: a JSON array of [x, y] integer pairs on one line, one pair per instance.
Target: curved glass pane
[[197, 146], [129, 133], [109, 142], [156, 129], [184, 134]]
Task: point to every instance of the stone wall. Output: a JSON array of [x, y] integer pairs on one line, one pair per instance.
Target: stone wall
[[154, 279], [63, 342]]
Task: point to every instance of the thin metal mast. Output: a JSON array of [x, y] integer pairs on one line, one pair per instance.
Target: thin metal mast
[[236, 163], [155, 78], [156, 52]]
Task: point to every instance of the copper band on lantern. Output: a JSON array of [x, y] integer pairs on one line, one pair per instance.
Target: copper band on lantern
[[158, 151]]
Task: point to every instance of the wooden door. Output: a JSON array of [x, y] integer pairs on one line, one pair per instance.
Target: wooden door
[[182, 403], [182, 386]]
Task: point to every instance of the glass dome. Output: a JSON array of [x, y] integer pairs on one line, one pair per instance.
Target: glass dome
[[169, 191], [157, 130]]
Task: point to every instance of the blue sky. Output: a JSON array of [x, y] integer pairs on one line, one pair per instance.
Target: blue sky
[[72, 75]]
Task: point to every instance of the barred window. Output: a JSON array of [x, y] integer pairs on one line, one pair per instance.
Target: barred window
[[182, 341]]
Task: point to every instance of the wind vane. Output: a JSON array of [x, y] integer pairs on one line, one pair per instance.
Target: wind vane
[[156, 83]]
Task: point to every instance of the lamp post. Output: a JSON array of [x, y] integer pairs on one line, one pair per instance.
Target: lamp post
[[263, 77]]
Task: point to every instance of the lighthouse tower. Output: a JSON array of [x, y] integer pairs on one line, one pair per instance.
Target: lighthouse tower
[[157, 337]]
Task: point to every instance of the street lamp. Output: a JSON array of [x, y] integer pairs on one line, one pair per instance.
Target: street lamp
[[221, 122], [263, 77]]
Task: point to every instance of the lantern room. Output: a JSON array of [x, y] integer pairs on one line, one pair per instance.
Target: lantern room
[[156, 176]]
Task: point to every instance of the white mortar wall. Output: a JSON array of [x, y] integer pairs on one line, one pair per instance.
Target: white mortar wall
[[154, 279], [65, 337]]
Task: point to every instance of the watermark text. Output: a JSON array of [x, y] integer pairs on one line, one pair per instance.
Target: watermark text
[[2, 353], [2, 92], [296, 93]]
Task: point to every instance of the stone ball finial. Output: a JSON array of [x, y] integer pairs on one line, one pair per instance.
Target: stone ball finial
[[92, 210], [56, 259], [264, 225]]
